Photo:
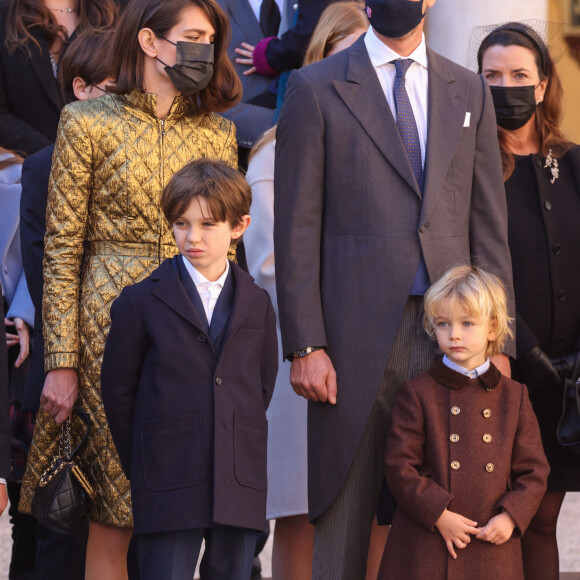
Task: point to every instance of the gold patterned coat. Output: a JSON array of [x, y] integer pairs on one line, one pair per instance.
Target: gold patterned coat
[[105, 230]]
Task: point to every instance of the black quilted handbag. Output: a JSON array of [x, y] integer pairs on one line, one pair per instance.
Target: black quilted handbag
[[569, 426], [59, 501]]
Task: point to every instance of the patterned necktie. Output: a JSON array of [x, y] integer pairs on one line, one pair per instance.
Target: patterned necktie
[[405, 118], [269, 18]]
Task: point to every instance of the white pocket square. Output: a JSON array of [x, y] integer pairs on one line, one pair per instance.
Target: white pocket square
[[467, 119]]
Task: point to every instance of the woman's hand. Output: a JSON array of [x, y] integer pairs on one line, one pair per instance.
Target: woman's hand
[[455, 530], [22, 337], [60, 393], [247, 51], [498, 530]]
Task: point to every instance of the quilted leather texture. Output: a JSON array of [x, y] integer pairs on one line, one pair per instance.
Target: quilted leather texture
[[112, 159]]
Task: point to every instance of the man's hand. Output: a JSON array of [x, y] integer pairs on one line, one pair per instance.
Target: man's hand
[[247, 51], [22, 337], [60, 393], [313, 377], [502, 362], [455, 530], [498, 530]]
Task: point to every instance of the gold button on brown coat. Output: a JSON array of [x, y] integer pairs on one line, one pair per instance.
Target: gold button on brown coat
[[419, 466], [105, 230]]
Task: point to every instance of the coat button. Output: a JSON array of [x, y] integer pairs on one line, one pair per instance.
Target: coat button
[[562, 296], [486, 413], [218, 381], [454, 438], [548, 205], [201, 338], [489, 467], [455, 465], [487, 438], [557, 249], [539, 162], [455, 410]]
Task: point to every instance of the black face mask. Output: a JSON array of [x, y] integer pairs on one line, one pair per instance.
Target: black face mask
[[514, 106], [394, 18], [193, 67]]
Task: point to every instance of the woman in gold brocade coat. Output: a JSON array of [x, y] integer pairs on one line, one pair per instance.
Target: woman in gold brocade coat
[[105, 228]]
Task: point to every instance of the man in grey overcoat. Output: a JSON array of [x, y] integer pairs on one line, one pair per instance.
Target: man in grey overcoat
[[387, 173]]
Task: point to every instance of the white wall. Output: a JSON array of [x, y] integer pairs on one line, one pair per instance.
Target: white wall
[[449, 22]]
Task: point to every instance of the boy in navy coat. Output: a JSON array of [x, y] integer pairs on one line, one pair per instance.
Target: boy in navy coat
[[188, 372]]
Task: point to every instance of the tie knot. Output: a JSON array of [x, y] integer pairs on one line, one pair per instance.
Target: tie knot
[[402, 66]]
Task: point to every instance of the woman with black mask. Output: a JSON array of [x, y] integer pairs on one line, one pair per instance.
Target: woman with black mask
[[542, 180]]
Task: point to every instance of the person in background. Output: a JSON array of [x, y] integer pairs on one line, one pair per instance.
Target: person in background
[[541, 169], [108, 230], [85, 72], [4, 419], [368, 179], [19, 321], [34, 35], [339, 26]]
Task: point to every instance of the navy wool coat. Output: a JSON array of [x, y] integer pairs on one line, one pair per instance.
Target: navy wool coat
[[189, 423]]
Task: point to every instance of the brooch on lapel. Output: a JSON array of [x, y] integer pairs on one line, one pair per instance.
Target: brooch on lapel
[[553, 165]]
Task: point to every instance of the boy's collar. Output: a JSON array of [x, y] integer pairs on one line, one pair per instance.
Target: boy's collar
[[454, 380], [472, 374]]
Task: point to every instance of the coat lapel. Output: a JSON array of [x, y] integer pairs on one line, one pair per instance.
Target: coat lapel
[[363, 95], [171, 291], [222, 310], [244, 15], [40, 63], [246, 294], [447, 108]]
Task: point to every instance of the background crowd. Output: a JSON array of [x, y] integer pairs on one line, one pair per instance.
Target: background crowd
[[490, 173]]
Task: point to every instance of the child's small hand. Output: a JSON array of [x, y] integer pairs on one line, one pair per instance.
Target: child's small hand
[[498, 530], [455, 530]]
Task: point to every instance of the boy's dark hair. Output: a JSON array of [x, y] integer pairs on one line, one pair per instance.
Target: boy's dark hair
[[88, 57], [226, 191]]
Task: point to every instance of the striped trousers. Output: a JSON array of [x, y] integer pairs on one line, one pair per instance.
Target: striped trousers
[[343, 531]]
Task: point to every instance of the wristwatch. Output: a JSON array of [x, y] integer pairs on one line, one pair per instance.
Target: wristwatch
[[302, 352]]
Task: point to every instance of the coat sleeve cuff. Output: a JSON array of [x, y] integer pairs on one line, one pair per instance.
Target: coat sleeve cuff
[[61, 360], [259, 58]]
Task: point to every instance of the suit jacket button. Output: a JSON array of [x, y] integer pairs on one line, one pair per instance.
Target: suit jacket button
[[486, 413], [489, 467], [454, 438], [548, 205], [218, 381], [455, 410], [561, 296], [455, 465], [202, 338], [557, 249], [487, 438]]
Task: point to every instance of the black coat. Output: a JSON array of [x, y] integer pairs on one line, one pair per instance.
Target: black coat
[[189, 423], [35, 174], [30, 99]]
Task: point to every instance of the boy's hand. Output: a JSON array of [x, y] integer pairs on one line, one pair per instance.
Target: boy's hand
[[498, 530], [314, 377], [455, 530]]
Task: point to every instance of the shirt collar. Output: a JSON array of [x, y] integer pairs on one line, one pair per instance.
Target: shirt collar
[[381, 54], [199, 279], [472, 374]]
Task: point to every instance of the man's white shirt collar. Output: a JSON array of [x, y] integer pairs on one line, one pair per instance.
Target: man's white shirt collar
[[381, 54]]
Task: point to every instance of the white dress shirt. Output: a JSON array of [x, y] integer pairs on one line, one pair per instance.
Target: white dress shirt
[[416, 80], [209, 292], [257, 4], [472, 374]]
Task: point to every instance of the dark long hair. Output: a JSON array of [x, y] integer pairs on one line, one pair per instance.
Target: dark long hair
[[23, 16], [224, 89], [549, 111]]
